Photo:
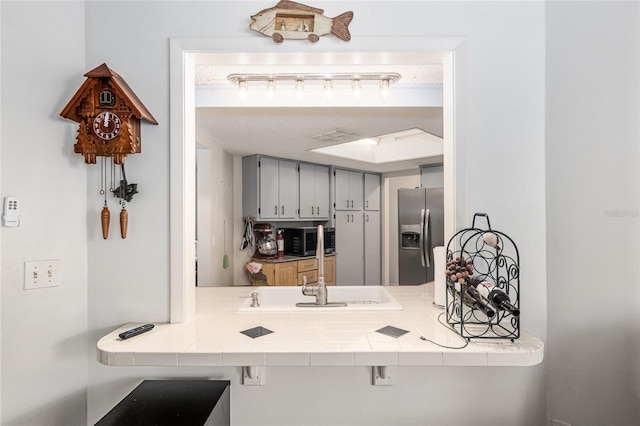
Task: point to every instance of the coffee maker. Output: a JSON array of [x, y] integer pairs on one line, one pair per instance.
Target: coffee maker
[[265, 243]]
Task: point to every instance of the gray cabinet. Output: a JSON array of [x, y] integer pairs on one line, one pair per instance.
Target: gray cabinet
[[372, 250], [349, 248], [348, 190], [432, 176], [314, 191], [270, 188], [371, 191], [358, 232]]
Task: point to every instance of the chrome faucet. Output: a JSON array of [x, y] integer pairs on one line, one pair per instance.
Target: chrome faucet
[[319, 290]]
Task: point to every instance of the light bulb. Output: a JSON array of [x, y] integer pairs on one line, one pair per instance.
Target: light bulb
[[271, 90], [356, 87], [243, 87], [384, 90], [299, 90], [328, 86]]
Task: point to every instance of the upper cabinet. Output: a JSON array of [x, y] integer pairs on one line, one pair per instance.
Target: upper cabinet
[[371, 191], [348, 190], [270, 188], [314, 191], [432, 176]]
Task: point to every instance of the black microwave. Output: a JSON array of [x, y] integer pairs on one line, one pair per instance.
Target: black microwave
[[302, 241]]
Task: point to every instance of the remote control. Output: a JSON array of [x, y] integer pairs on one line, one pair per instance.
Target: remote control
[[135, 331]]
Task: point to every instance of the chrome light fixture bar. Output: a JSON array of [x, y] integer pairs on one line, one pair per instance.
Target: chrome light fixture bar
[[392, 77], [326, 79]]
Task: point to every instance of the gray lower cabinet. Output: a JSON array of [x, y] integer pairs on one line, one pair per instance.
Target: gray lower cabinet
[[349, 248], [372, 252]]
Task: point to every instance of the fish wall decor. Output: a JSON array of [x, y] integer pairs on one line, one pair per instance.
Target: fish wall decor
[[295, 21]]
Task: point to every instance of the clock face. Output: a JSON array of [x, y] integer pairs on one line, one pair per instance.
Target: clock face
[[107, 125]]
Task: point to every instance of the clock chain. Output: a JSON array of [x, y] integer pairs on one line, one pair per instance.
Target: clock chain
[[105, 215]]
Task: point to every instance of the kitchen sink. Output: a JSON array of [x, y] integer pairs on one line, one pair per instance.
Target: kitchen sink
[[356, 298]]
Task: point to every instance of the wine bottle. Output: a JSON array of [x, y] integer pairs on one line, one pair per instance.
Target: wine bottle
[[480, 302], [498, 298]]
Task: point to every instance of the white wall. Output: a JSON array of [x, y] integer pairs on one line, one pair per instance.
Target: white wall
[[204, 222], [591, 82], [593, 106], [220, 204], [493, 61], [45, 349]]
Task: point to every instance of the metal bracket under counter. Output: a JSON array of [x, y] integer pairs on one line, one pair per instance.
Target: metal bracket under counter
[[254, 375], [381, 375]]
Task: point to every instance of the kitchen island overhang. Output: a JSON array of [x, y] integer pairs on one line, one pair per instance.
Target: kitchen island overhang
[[314, 339]]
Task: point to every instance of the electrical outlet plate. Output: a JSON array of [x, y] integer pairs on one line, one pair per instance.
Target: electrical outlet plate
[[41, 274]]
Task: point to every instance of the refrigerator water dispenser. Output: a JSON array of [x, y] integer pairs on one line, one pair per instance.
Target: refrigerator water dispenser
[[410, 237]]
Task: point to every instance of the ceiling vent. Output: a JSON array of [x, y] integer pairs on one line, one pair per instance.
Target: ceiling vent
[[335, 137]]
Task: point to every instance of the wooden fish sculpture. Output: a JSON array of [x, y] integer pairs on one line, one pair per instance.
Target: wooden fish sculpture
[[295, 21]]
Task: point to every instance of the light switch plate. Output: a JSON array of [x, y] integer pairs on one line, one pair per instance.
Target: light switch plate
[[41, 274]]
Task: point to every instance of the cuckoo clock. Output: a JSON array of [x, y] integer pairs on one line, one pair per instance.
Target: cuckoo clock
[[109, 115]]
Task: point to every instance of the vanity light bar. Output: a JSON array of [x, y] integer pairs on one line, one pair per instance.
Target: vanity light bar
[[385, 79], [392, 77]]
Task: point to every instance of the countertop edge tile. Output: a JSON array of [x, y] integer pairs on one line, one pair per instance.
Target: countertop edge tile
[[196, 359], [240, 359]]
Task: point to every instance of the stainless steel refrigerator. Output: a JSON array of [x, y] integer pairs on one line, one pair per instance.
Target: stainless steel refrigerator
[[421, 228]]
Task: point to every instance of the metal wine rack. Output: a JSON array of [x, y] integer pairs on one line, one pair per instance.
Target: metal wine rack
[[498, 263]]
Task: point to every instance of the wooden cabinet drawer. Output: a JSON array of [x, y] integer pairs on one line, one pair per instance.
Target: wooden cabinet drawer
[[312, 276], [307, 264]]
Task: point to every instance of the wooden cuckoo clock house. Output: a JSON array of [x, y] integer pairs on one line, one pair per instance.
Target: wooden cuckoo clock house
[[109, 113]]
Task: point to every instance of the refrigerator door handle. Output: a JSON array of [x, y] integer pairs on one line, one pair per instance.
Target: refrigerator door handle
[[427, 237], [421, 241]]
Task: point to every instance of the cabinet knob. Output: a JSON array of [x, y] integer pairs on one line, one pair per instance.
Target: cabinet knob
[[275, 210]]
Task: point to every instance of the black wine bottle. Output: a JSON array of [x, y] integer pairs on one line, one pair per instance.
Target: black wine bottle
[[480, 302], [498, 298]]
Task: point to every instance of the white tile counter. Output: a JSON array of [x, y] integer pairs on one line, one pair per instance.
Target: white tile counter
[[213, 337]]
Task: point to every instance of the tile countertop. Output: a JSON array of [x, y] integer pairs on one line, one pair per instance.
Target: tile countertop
[[213, 337], [286, 258]]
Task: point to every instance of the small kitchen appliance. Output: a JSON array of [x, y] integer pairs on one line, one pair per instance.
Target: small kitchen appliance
[[266, 245], [302, 241]]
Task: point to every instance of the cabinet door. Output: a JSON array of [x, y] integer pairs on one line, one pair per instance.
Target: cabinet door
[[356, 190], [307, 178], [371, 192], [330, 270], [288, 189], [269, 188], [372, 253], [286, 273], [321, 192], [342, 198], [349, 248]]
